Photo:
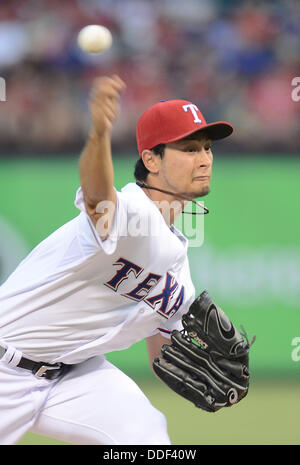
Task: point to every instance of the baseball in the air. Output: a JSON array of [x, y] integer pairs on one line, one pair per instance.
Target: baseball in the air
[[94, 38]]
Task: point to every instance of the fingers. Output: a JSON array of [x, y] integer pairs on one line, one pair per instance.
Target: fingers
[[118, 82], [110, 110], [107, 107], [104, 101], [108, 87], [112, 104]]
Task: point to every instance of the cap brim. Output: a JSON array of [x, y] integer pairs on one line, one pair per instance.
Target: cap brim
[[214, 131], [218, 130]]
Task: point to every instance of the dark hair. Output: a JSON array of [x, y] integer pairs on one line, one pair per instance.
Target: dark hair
[[140, 170]]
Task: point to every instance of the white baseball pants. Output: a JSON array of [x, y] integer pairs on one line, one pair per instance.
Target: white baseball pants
[[94, 403]]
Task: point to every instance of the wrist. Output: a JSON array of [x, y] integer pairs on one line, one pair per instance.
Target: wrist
[[98, 135]]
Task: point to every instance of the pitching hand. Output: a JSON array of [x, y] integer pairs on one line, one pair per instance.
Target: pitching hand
[[105, 102]]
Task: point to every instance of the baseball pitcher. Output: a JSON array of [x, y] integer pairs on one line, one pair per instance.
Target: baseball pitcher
[[116, 274]]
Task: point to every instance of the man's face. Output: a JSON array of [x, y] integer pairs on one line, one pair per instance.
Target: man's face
[[186, 166]]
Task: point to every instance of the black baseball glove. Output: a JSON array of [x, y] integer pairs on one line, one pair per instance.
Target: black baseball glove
[[208, 362]]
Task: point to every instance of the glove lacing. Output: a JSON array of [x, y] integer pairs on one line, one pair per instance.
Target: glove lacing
[[245, 336]]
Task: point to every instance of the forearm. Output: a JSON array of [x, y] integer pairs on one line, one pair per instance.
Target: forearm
[[96, 168], [154, 345], [95, 164]]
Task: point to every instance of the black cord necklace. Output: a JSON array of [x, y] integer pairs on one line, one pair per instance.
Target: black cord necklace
[[183, 197]]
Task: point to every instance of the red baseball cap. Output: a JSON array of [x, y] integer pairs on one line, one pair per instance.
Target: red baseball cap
[[172, 120]]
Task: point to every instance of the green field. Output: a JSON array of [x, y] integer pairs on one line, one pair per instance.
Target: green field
[[268, 415]]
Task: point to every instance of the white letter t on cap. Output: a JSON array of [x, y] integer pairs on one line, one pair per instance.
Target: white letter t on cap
[[194, 110]]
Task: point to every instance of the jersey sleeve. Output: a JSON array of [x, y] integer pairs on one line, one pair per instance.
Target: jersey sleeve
[[88, 235], [166, 329]]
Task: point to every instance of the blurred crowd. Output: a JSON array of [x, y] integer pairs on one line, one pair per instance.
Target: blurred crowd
[[235, 59]]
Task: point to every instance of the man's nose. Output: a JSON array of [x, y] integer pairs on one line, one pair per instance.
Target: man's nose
[[204, 158]]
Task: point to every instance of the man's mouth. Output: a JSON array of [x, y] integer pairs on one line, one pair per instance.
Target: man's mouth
[[201, 178]]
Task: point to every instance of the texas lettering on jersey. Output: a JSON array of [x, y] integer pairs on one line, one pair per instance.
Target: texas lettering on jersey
[[167, 302]]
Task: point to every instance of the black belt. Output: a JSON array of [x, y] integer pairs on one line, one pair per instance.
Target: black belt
[[40, 369]]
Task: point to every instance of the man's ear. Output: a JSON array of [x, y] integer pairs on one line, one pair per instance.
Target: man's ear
[[151, 161]]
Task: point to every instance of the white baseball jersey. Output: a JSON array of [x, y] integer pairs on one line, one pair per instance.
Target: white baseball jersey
[[76, 296]]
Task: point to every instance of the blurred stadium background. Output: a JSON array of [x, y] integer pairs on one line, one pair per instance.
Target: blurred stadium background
[[236, 60]]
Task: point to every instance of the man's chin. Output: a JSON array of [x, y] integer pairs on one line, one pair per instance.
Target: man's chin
[[201, 192], [196, 193]]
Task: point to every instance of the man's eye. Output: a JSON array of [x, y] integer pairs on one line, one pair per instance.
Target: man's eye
[[192, 149]]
